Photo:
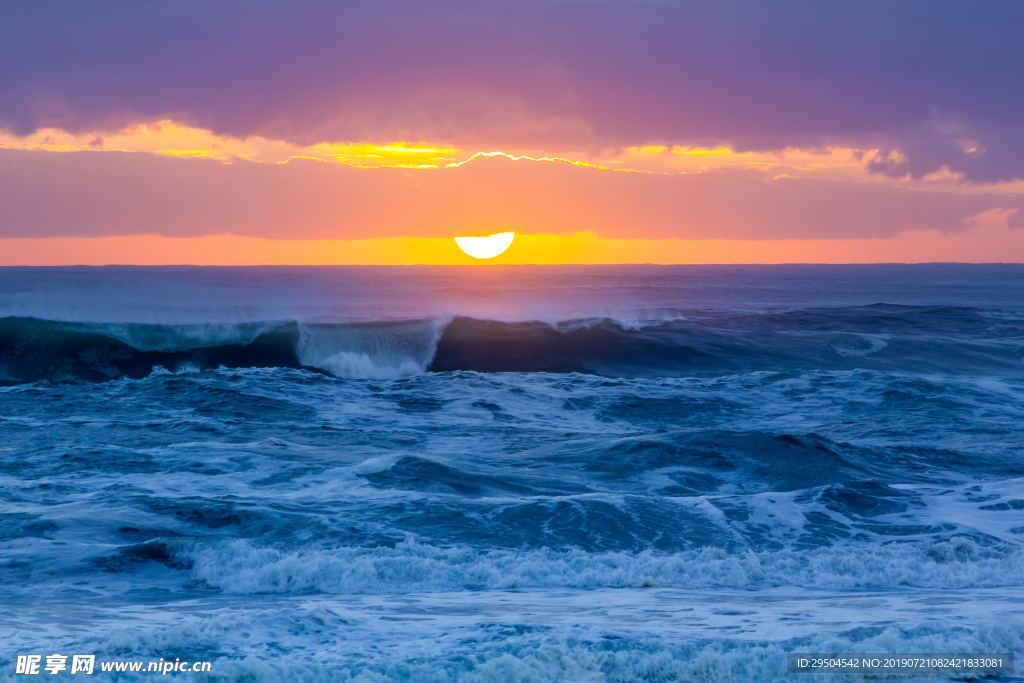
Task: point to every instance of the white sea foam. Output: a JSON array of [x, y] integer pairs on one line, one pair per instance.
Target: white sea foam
[[370, 351], [859, 346], [243, 568], [537, 636]]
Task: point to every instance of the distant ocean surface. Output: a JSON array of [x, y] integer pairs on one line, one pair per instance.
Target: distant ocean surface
[[511, 473]]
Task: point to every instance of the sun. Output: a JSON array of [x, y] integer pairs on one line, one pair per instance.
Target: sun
[[484, 247]]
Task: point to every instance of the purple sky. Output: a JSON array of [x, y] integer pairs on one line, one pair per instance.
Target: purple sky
[[923, 89], [913, 75]]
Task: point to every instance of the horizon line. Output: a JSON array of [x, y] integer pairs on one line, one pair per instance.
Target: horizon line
[[507, 265]]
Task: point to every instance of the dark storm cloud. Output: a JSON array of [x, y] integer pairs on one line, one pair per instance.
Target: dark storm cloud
[[935, 79]]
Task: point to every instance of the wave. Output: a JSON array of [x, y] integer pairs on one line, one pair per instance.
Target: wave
[[369, 350], [32, 349], [615, 636], [240, 567], [884, 337]]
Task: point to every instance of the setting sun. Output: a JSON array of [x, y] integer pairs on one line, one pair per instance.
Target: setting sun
[[485, 247]]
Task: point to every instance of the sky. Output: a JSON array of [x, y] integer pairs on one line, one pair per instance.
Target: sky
[[322, 131]]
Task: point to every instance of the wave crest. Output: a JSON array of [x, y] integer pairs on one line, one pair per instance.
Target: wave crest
[[243, 568], [882, 337]]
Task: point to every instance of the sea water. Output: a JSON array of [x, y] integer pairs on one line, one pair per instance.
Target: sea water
[[510, 473]]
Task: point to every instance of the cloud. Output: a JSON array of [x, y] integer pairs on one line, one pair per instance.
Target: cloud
[[993, 156], [172, 139], [118, 193], [917, 77]]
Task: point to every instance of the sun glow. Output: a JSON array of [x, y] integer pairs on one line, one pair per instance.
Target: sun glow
[[171, 138], [486, 247]]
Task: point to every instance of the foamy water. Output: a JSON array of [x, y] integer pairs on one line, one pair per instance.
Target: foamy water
[[569, 474]]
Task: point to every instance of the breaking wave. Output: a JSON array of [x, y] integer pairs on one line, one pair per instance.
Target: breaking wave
[[883, 337], [239, 567]]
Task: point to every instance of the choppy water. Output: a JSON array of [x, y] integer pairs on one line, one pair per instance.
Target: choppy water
[[520, 474]]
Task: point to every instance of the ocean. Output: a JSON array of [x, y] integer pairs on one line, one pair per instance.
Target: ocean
[[510, 473]]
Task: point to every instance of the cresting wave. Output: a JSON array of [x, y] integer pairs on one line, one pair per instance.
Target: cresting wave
[[885, 337], [32, 349], [239, 567]]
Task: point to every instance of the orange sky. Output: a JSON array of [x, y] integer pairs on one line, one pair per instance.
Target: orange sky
[[989, 241], [622, 131], [162, 192]]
